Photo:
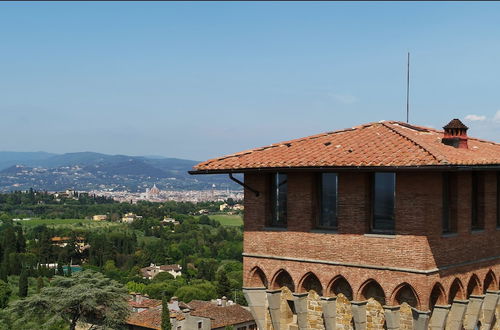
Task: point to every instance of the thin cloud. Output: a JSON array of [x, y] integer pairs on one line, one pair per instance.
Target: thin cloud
[[496, 117], [475, 118]]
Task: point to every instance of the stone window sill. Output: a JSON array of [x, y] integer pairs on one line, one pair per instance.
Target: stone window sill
[[446, 235], [477, 231], [391, 236]]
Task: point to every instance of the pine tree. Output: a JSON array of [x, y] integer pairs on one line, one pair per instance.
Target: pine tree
[[39, 284], [165, 314], [23, 283]]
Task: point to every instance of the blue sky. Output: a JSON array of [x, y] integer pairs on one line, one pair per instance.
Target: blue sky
[[198, 80]]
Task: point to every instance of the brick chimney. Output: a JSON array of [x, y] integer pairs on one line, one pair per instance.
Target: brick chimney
[[455, 134]]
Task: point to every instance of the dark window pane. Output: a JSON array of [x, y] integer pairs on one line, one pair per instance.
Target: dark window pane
[[498, 199], [328, 200], [383, 201], [279, 189], [446, 203], [474, 202]]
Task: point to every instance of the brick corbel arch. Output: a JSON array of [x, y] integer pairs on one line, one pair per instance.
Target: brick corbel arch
[[282, 278], [310, 282], [340, 285], [474, 286], [490, 281], [456, 291], [437, 296], [371, 289], [404, 292], [257, 278]]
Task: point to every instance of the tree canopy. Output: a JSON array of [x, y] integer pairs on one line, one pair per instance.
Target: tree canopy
[[87, 296]]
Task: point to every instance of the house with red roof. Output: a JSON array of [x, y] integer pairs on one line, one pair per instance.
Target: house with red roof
[[197, 314], [385, 225]]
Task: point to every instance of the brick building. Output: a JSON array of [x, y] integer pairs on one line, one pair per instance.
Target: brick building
[[384, 225]]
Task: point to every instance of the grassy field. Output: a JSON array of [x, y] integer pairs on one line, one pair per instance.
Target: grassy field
[[227, 219], [81, 223]]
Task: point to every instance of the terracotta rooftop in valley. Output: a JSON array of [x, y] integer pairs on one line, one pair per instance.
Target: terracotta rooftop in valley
[[220, 316], [149, 319], [381, 144]]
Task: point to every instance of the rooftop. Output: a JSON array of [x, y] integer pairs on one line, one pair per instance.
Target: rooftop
[[381, 144]]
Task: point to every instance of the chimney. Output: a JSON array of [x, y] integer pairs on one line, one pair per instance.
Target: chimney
[[455, 134], [224, 301]]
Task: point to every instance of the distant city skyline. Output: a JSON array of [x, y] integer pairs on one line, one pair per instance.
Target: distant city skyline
[[199, 80]]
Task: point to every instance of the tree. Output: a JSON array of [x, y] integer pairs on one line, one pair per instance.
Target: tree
[[87, 296], [60, 269], [39, 284], [69, 273], [223, 284], [23, 283], [4, 294], [165, 314]]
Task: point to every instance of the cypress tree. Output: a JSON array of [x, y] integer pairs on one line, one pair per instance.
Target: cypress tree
[[223, 284], [60, 269], [4, 272], [23, 283], [165, 314]]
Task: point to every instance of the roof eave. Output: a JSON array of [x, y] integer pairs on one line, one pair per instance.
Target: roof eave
[[350, 168]]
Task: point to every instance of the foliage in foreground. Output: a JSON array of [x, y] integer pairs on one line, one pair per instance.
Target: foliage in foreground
[[87, 296]]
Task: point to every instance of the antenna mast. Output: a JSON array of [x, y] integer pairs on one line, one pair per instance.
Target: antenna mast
[[408, 90]]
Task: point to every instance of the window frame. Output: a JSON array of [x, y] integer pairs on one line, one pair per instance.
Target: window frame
[[319, 204], [449, 202], [477, 201], [498, 201], [274, 196], [373, 182]]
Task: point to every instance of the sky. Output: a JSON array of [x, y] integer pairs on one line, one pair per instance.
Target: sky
[[198, 80]]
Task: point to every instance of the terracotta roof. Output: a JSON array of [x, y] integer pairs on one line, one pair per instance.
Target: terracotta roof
[[389, 143], [150, 318], [220, 316]]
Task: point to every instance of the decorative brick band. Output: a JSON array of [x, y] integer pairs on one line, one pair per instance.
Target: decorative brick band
[[347, 264]]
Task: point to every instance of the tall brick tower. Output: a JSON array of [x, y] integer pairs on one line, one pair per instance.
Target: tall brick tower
[[381, 226]]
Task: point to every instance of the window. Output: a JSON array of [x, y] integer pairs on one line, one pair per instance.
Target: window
[[279, 187], [242, 328], [477, 190], [383, 197], [449, 203], [200, 324], [498, 199], [252, 327], [328, 185]]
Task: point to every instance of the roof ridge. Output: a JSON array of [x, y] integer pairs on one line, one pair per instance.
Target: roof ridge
[[420, 145]]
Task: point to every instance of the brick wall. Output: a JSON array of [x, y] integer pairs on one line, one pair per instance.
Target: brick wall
[[418, 245]]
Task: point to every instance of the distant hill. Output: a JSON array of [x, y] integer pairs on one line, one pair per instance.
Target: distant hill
[[91, 170]]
